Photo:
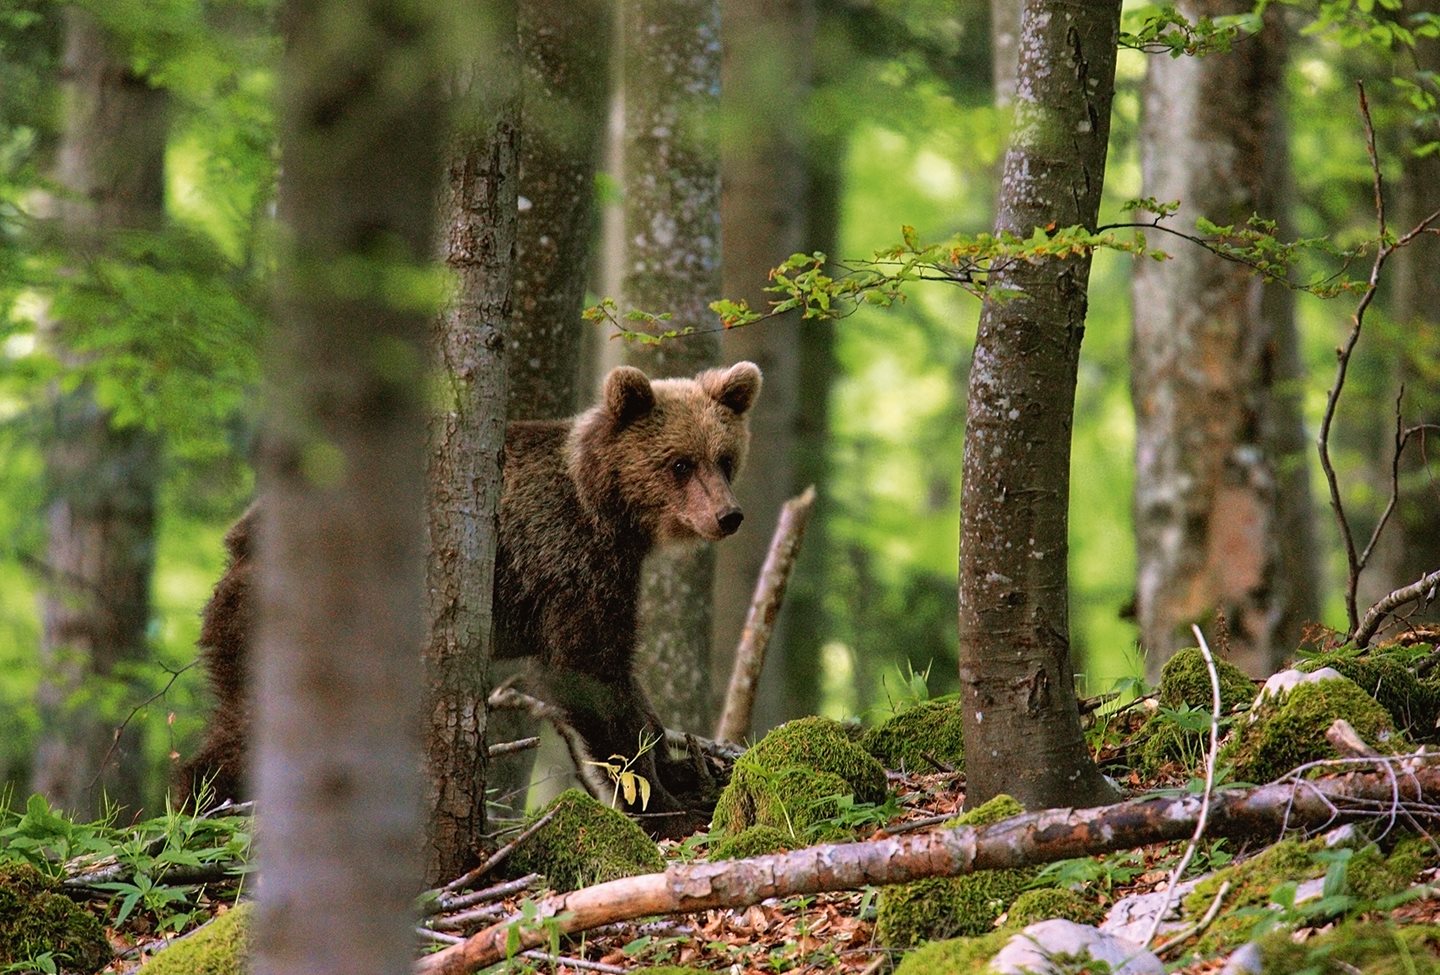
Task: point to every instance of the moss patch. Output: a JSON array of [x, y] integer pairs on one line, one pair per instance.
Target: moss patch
[[1052, 902], [1367, 947], [956, 956], [1386, 674], [35, 917], [755, 841], [220, 947], [587, 842], [791, 778], [1290, 731], [947, 907], [915, 736], [1186, 680]]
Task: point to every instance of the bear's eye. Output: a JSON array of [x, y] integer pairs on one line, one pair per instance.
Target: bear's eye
[[727, 467], [682, 468]]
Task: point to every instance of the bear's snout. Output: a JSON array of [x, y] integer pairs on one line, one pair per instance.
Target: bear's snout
[[729, 520]]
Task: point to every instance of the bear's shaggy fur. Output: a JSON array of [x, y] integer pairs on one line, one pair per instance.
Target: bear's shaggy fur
[[585, 500]]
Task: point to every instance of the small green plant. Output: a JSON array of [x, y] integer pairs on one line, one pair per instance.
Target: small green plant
[[533, 919], [627, 781], [1102, 873]]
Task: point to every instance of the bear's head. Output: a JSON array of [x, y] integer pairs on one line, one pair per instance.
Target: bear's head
[[661, 455]]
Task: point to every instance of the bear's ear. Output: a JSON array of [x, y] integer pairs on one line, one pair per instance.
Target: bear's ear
[[628, 395], [735, 388]]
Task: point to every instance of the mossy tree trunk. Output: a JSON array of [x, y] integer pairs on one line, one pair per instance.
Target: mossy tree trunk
[[341, 543], [1223, 512], [467, 441], [565, 49], [671, 174], [1016, 676], [101, 478]]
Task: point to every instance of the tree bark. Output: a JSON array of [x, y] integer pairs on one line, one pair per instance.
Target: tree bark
[[1410, 546], [671, 66], [1263, 813], [765, 80], [102, 479], [565, 51], [341, 543], [1222, 499], [467, 442], [1016, 677]]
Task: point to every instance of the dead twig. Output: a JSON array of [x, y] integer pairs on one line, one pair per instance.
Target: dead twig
[[1424, 589], [1196, 928], [510, 747], [1355, 560], [450, 902], [734, 722], [1204, 817], [499, 856]]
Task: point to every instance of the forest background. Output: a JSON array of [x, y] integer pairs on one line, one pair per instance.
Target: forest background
[[903, 106]]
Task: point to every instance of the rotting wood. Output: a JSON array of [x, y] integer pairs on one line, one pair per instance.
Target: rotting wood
[[1027, 840], [734, 722]]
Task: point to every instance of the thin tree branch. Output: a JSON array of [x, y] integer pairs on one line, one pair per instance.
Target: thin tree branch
[[1423, 589], [734, 722]]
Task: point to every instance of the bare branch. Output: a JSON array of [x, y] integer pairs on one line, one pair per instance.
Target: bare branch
[[1423, 589], [734, 722], [510, 747]]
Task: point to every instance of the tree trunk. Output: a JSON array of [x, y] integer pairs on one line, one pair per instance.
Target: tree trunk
[[765, 80], [671, 66], [1015, 673], [341, 543], [1410, 546], [566, 52], [467, 441], [102, 479], [1222, 497]]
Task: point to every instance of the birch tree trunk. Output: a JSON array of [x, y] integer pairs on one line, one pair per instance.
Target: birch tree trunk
[[1222, 498], [341, 545], [467, 441], [1015, 672], [102, 479], [765, 79], [565, 51], [671, 172]]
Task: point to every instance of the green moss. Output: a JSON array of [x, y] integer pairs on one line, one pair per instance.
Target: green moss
[[1370, 875], [947, 907], [790, 778], [956, 956], [1290, 731], [1252, 884], [755, 841], [220, 947], [35, 918], [910, 739], [1052, 902], [1161, 742], [586, 842], [1370, 948], [1386, 674], [1186, 680]]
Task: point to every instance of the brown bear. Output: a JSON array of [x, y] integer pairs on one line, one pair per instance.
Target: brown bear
[[585, 500]]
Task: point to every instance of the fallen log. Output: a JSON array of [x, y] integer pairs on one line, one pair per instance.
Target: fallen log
[[1034, 838]]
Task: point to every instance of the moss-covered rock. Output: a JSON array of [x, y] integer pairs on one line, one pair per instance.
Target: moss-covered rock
[[1186, 680], [1052, 902], [955, 956], [753, 842], [1252, 883], [1370, 948], [35, 918], [791, 779], [948, 907], [1289, 731], [913, 737], [1372, 875], [1387, 674], [219, 947], [586, 842]]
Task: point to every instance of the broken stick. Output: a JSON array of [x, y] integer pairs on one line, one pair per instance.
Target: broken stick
[[734, 722]]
